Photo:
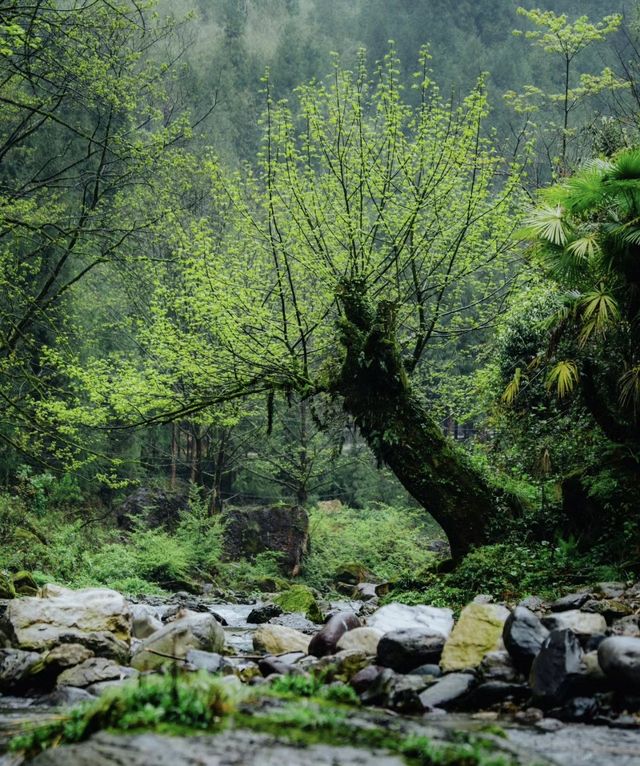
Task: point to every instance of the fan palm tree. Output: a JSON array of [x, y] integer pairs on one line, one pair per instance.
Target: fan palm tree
[[585, 234]]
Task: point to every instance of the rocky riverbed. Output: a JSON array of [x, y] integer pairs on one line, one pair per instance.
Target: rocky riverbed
[[561, 680]]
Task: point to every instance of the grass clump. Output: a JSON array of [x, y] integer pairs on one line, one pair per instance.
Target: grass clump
[[194, 701], [314, 686]]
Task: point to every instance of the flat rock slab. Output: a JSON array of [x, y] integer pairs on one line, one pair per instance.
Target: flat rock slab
[[231, 748], [581, 745]]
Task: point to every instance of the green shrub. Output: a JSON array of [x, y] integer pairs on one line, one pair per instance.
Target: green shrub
[[509, 572], [389, 542]]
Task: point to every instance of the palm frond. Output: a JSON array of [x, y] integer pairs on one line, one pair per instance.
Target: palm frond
[[626, 166], [547, 223], [630, 389], [512, 390], [563, 377], [585, 247]]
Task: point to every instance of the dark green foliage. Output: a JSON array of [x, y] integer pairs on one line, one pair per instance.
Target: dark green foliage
[[509, 572]]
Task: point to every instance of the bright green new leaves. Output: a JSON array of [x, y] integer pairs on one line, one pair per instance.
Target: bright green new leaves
[[555, 34], [566, 40]]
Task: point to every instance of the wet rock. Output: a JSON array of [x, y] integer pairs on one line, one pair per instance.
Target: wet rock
[[192, 631], [430, 619], [93, 671], [253, 530], [343, 665], [144, 621], [152, 505], [100, 644], [264, 613], [377, 692], [18, 668], [240, 668], [591, 643], [447, 691], [365, 591], [492, 693], [523, 635], [276, 639], [619, 658], [404, 694], [608, 608], [592, 667], [478, 631], [296, 621], [299, 598], [430, 670], [581, 623], [362, 639], [498, 666], [405, 649], [556, 668], [24, 584], [209, 661], [533, 603], [627, 626], [232, 747], [326, 641], [610, 589], [40, 623], [68, 696], [67, 655], [365, 678], [549, 724], [270, 665], [579, 710], [572, 601]]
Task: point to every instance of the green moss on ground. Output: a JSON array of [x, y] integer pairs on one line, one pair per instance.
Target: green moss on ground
[[184, 705]]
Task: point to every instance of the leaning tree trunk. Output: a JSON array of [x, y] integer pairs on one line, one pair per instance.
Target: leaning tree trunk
[[376, 391]]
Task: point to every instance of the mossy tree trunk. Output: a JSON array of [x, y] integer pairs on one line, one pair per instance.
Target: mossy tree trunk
[[377, 393]]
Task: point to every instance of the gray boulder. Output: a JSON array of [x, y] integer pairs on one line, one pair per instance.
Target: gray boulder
[[81, 617], [523, 636], [326, 640], [581, 623], [430, 619], [18, 668], [408, 648], [619, 658], [93, 671], [556, 668], [447, 691], [194, 630]]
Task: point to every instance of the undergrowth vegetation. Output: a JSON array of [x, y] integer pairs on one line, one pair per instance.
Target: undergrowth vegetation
[[390, 543]]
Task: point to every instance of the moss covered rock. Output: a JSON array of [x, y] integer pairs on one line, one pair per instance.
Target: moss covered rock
[[477, 632], [7, 589], [300, 598], [24, 584]]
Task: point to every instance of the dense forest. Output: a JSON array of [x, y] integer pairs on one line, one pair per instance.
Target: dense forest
[[375, 265]]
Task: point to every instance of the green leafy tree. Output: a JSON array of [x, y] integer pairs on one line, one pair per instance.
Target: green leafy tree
[[566, 41], [85, 119], [370, 233]]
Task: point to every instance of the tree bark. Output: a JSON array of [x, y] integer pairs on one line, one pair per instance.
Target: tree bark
[[397, 426]]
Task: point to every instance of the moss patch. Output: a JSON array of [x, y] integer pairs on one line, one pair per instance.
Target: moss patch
[[300, 598]]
